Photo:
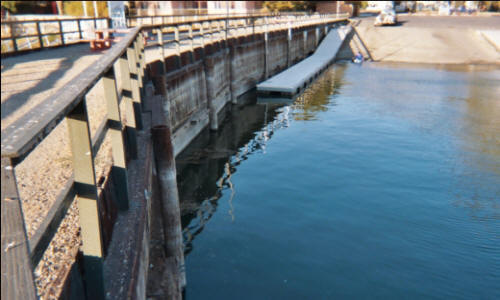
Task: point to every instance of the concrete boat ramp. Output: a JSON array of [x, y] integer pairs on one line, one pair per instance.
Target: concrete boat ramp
[[294, 79]]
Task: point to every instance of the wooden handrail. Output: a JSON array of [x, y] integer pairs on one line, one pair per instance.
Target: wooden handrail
[[59, 23]]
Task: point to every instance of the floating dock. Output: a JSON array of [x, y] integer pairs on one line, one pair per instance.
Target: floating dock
[[294, 79]]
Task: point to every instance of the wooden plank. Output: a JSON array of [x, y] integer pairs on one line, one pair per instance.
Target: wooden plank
[[17, 274], [19, 138], [87, 197]]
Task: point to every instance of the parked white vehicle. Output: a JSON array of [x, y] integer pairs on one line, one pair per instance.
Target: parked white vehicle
[[386, 17], [444, 9]]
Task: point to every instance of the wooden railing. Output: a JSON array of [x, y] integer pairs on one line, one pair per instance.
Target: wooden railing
[[20, 255], [22, 35], [125, 60], [207, 29], [149, 19]]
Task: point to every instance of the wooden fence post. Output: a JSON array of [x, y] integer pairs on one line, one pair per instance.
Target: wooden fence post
[[289, 45], [17, 272], [134, 80], [177, 41], [61, 32], [218, 29], [87, 199], [143, 54], [202, 33], [78, 22], [39, 34], [304, 35], [162, 50], [227, 28], [266, 49], [138, 61], [317, 36], [131, 127], [13, 36], [190, 35], [119, 168]]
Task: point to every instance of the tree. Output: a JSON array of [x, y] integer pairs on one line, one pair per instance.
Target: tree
[[276, 6], [75, 8], [10, 5]]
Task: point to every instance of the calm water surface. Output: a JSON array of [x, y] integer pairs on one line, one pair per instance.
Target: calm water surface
[[379, 182]]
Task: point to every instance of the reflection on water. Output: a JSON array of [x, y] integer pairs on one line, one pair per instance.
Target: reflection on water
[[206, 166], [380, 181], [316, 97]]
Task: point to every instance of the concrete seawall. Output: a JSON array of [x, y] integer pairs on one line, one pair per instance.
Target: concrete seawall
[[197, 90], [200, 83]]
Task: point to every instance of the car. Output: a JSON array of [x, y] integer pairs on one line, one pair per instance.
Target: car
[[444, 10], [386, 17]]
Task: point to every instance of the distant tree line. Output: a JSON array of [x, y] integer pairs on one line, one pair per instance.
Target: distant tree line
[[281, 6]]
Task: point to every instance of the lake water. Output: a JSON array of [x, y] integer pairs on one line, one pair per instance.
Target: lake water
[[380, 181]]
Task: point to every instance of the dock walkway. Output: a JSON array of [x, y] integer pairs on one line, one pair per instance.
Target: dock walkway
[[294, 79]]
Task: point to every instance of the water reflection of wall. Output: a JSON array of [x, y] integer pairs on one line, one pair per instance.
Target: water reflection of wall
[[316, 97], [482, 118], [205, 168], [480, 140]]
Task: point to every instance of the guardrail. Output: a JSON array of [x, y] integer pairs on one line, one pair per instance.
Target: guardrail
[[174, 18], [227, 26], [125, 60], [20, 256], [22, 35]]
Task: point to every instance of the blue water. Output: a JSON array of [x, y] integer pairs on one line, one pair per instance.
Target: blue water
[[379, 182]]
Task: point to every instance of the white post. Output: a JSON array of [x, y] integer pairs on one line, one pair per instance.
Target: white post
[[84, 5], [338, 8], [96, 14]]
